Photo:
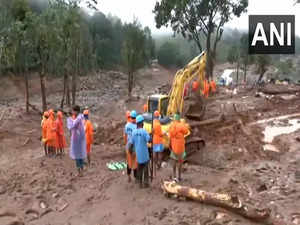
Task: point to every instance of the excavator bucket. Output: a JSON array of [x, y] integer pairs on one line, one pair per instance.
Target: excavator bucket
[[194, 107]]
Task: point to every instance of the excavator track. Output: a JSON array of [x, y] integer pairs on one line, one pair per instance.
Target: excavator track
[[193, 145]]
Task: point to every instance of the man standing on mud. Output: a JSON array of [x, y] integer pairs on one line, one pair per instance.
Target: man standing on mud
[[138, 142], [78, 142], [177, 132], [131, 158]]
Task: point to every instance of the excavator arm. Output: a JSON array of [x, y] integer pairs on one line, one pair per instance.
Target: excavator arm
[[195, 68]]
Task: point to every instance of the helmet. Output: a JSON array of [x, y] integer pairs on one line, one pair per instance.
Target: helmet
[[86, 112], [133, 114], [139, 119], [46, 114], [177, 116], [128, 114], [156, 114]]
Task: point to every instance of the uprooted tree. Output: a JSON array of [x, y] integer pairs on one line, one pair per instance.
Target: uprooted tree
[[262, 62], [230, 202], [195, 19]]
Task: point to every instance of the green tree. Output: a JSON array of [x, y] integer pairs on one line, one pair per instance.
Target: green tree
[[234, 56], [195, 18], [133, 50], [262, 62], [167, 54], [246, 59]]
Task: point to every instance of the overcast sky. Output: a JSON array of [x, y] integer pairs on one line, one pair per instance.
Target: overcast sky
[[142, 9]]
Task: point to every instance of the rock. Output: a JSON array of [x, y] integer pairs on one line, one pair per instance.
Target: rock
[[43, 205], [63, 207], [262, 188], [55, 195], [296, 221], [220, 215], [34, 213]]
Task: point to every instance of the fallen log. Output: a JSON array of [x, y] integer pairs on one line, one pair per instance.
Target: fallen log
[[207, 122], [278, 92], [232, 203]]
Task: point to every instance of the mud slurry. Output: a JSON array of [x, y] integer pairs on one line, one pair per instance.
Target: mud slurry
[[36, 190]]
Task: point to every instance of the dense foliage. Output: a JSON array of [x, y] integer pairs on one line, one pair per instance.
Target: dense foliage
[[58, 37]]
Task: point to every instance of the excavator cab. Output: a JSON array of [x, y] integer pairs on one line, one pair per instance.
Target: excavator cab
[[158, 102]]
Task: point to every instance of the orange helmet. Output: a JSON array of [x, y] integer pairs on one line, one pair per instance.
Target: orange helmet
[[86, 112], [156, 114]]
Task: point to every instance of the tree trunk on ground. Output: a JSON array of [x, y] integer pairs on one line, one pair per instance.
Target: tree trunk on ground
[[43, 90], [232, 203], [26, 92]]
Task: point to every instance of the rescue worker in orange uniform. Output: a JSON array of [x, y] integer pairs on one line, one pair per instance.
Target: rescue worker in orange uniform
[[177, 132], [213, 86], [89, 134], [60, 134], [145, 108], [44, 125], [195, 85], [130, 156], [158, 146], [51, 133], [128, 118], [205, 88]]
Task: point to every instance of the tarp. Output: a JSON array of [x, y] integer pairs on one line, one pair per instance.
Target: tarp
[[226, 77]]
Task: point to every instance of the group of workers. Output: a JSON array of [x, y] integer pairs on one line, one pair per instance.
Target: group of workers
[[138, 140], [208, 87], [81, 133], [53, 137]]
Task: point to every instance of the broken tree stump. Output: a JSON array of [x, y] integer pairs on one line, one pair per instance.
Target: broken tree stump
[[232, 203]]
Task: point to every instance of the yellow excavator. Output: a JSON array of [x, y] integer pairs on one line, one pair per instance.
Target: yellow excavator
[[191, 106]]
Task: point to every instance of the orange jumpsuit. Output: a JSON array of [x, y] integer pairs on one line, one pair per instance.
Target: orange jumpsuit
[[213, 86], [60, 135], [157, 133], [51, 130], [44, 130], [145, 108], [177, 132], [195, 85], [89, 135], [205, 89]]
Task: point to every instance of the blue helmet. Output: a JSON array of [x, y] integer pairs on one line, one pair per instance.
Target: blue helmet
[[139, 119], [133, 114]]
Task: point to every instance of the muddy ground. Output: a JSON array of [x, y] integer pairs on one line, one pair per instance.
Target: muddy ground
[[36, 190]]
